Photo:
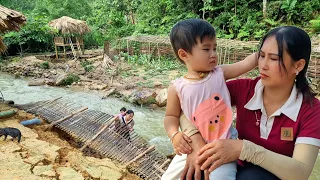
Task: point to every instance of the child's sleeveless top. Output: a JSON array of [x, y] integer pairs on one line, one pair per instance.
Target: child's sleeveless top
[[206, 103]]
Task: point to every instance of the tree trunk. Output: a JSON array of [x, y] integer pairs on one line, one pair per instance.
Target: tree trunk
[[204, 11], [235, 7], [21, 50], [264, 10]]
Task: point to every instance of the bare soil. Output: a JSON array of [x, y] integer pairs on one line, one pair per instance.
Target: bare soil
[[56, 138]]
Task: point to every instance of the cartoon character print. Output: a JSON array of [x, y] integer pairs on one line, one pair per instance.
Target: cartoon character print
[[213, 118]]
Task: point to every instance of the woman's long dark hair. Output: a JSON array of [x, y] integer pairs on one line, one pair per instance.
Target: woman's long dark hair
[[298, 45]]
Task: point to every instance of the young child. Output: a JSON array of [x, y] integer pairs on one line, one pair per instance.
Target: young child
[[201, 94], [122, 113]]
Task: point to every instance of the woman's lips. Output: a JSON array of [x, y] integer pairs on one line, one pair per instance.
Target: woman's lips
[[263, 75]]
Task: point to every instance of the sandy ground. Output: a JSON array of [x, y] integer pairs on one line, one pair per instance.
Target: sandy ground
[[50, 155]]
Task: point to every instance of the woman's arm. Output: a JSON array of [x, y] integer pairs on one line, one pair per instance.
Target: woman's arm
[[192, 169], [187, 127], [299, 167]]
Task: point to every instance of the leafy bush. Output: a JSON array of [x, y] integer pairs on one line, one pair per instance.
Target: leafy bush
[[71, 78], [87, 66], [35, 36], [44, 65], [315, 25]]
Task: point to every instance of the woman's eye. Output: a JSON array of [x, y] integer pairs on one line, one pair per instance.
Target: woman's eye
[[274, 59], [206, 49]]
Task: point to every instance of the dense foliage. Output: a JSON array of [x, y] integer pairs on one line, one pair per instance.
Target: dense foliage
[[111, 19]]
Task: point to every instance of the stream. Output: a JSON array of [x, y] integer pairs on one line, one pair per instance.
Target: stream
[[148, 123]]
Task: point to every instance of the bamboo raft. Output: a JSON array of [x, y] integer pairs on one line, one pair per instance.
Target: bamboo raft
[[96, 130]]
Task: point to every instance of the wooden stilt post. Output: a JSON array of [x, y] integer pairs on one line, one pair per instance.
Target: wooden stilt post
[[56, 51]]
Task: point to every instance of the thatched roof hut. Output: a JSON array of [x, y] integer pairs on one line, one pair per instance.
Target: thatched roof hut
[[10, 20], [68, 25]]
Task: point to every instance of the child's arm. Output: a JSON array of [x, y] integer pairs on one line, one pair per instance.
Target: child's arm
[[171, 123], [234, 70]]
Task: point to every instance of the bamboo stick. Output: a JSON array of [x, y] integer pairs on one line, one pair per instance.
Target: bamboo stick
[[95, 136], [164, 164], [64, 118], [43, 104], [141, 155]]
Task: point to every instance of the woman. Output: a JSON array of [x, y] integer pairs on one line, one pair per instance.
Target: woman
[[124, 124], [278, 117]]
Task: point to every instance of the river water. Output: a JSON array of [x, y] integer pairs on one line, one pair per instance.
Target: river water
[[148, 123]]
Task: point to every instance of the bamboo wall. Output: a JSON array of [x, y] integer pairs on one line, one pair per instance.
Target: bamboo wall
[[230, 51]]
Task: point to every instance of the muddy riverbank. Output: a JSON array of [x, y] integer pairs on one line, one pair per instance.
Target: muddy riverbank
[[50, 155]]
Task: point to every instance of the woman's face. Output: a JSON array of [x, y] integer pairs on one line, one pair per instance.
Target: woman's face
[[273, 75], [129, 116]]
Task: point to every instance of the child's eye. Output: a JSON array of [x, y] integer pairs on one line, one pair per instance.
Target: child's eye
[[206, 49]]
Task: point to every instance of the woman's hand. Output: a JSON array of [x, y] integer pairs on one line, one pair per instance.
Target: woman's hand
[[192, 169], [219, 152]]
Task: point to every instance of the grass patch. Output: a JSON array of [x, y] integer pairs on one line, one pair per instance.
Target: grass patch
[[16, 59], [87, 65], [44, 65], [71, 78]]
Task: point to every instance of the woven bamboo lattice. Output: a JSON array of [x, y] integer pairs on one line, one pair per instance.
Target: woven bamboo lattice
[[97, 131], [229, 51]]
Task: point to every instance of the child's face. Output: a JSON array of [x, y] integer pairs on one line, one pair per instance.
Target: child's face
[[204, 56], [122, 113]]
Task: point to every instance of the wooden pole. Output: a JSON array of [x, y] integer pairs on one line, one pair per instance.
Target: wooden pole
[[106, 48], [64, 51], [128, 49], [64, 118], [56, 51], [141, 155], [158, 49], [96, 135]]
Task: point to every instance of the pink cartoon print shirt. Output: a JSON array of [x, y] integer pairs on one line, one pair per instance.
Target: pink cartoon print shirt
[[213, 118], [206, 103]]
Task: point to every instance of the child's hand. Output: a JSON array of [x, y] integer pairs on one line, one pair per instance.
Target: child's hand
[[180, 144]]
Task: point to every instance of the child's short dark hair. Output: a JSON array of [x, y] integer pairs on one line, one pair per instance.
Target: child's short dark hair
[[184, 34], [123, 109]]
